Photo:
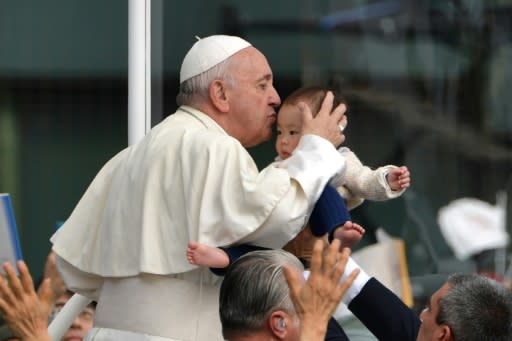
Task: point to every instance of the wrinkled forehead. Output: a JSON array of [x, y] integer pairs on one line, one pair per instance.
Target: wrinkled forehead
[[251, 63]]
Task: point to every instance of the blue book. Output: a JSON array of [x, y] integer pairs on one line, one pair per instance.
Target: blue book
[[10, 249]]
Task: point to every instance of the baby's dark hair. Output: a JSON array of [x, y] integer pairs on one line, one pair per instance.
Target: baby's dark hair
[[313, 96]]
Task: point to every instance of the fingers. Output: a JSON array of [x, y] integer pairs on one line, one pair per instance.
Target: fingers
[[292, 278], [404, 179], [343, 287], [316, 257], [327, 121], [45, 292], [400, 178], [26, 280], [326, 107], [16, 289], [4, 305], [307, 115], [331, 257], [343, 122], [338, 114], [7, 297], [339, 267]]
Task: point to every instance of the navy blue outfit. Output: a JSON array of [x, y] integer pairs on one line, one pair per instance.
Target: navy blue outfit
[[384, 313]]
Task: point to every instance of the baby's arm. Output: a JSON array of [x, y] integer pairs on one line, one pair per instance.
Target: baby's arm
[[363, 182]]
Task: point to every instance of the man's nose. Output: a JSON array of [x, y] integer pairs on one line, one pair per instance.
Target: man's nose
[[275, 100], [77, 323]]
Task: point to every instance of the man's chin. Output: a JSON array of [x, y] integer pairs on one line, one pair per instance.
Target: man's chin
[[72, 338]]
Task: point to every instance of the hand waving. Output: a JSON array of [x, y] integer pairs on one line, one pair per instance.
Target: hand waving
[[317, 298], [25, 312]]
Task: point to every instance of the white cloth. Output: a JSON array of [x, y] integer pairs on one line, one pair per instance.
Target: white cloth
[[108, 334], [470, 226], [358, 182], [342, 312], [208, 52], [186, 180]]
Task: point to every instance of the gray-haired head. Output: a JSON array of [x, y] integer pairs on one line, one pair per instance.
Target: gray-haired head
[[196, 88], [476, 308], [207, 60], [253, 288]]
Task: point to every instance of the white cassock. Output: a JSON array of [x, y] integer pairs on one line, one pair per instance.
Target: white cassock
[[124, 244]]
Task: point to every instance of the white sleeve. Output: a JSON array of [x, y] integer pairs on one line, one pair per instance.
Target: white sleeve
[[356, 286], [85, 284], [359, 282], [313, 163]]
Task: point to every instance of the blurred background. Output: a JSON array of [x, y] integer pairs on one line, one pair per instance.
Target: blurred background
[[426, 83]]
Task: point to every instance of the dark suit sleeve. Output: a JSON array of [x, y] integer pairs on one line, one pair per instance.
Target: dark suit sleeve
[[384, 314], [335, 332]]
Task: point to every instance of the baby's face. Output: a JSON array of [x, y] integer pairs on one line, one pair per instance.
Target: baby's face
[[289, 130]]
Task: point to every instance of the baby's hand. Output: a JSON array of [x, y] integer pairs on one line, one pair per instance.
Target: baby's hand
[[399, 178]]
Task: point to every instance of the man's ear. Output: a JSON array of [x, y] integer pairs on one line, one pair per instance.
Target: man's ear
[[217, 93], [444, 333], [278, 324]]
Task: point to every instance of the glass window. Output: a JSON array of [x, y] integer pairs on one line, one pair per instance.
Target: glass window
[[426, 85]]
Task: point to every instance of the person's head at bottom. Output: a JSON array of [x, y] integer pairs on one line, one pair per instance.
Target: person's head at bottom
[[468, 307], [81, 324], [255, 300]]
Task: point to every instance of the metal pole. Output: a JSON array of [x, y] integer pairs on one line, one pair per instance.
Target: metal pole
[[139, 69]]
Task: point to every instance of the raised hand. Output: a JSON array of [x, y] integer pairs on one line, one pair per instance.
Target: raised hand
[[327, 122], [316, 300], [25, 311]]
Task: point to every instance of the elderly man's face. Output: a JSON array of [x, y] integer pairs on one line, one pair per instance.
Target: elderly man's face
[[429, 329], [253, 100]]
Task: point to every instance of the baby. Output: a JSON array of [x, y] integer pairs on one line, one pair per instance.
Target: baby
[[355, 184]]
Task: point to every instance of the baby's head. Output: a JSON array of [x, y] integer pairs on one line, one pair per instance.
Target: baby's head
[[289, 117]]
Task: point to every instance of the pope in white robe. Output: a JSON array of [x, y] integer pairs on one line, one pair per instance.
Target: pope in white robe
[[125, 242]]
